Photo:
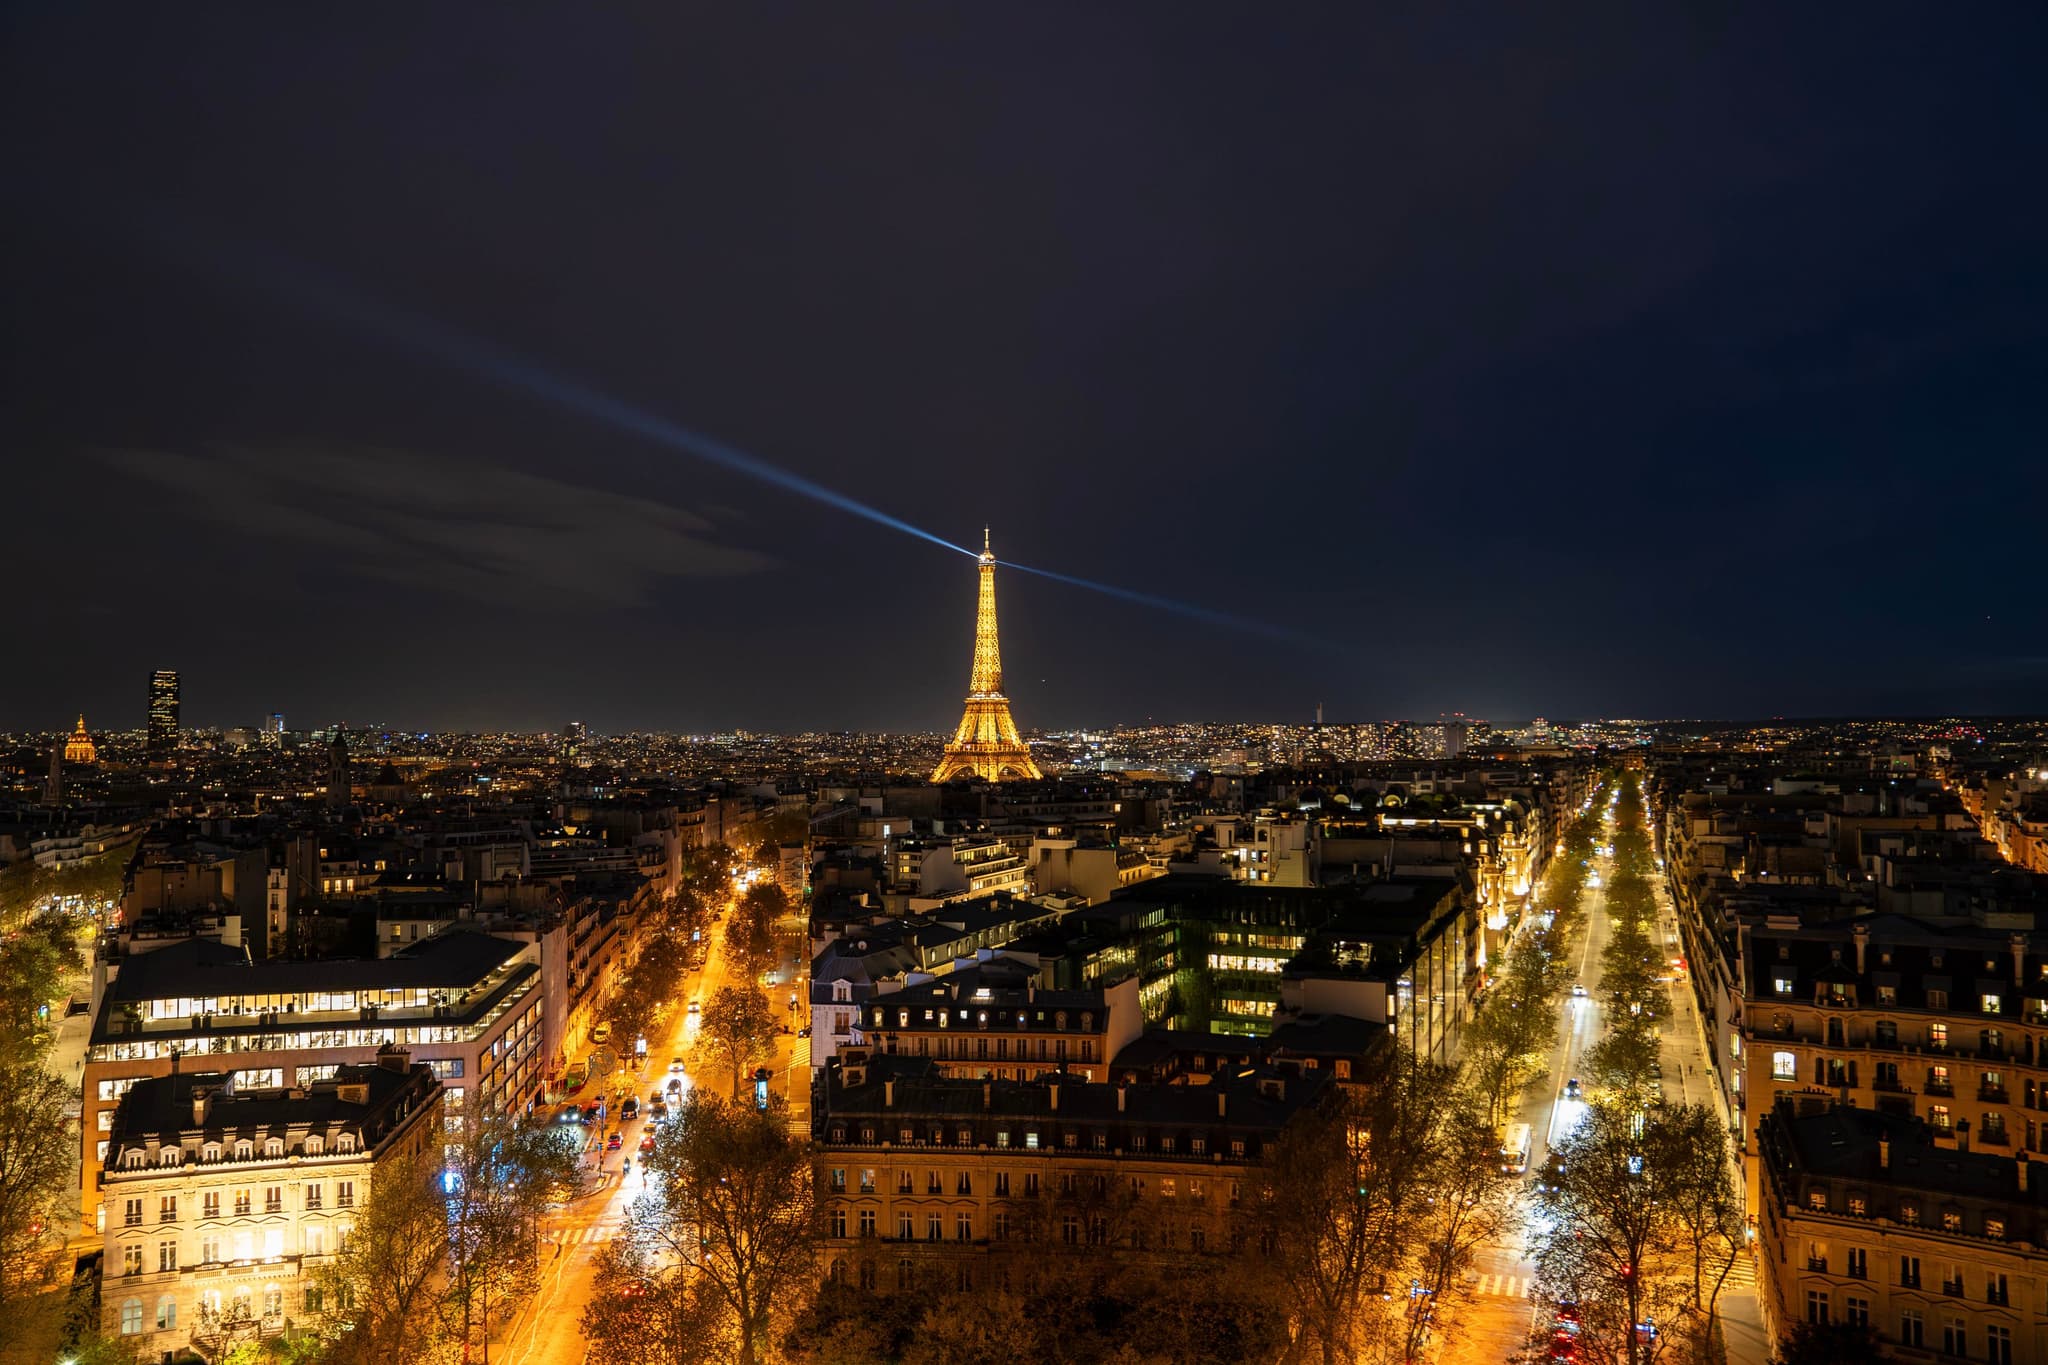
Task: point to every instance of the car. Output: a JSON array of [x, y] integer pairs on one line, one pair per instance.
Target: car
[[647, 1141], [657, 1108], [1551, 1175], [630, 1109], [602, 1034], [591, 1113], [804, 1032], [615, 1141], [1571, 1088], [675, 1084], [1579, 989], [675, 1064], [696, 1009]]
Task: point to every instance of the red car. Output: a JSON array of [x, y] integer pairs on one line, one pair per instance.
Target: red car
[[615, 1141], [647, 1141]]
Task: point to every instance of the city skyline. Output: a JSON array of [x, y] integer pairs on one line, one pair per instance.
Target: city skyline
[[1555, 378]]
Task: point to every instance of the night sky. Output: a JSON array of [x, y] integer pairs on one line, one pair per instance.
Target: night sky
[[1645, 360]]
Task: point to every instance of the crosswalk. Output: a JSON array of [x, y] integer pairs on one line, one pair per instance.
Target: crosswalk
[[1500, 1286], [584, 1236]]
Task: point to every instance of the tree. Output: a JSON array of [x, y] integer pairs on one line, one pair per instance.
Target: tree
[[35, 961], [641, 1312], [505, 1177], [36, 1152], [1608, 1229], [646, 993], [730, 1204], [381, 1288], [750, 932], [1693, 1149], [1343, 1204], [1831, 1343], [1505, 1046], [736, 1027]]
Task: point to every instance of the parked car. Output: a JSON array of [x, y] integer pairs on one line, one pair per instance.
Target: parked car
[[601, 1035]]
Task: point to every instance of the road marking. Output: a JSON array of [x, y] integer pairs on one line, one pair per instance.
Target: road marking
[[584, 1236], [1499, 1286]]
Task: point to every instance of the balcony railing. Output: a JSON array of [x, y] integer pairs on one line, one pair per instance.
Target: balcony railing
[[1952, 1288], [1995, 1093], [1935, 1087], [1817, 1264], [1890, 1083]]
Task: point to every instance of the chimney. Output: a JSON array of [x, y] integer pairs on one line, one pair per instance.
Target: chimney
[[2021, 1163], [1862, 935], [988, 1091], [202, 1101], [889, 1093], [1884, 1153], [392, 1057], [1054, 1091], [2019, 960], [1120, 1098], [231, 931], [1222, 1102]]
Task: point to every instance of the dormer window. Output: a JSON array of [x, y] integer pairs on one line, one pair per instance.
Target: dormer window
[[244, 1149], [169, 1156], [345, 1144], [273, 1147], [134, 1158], [211, 1152], [313, 1145]]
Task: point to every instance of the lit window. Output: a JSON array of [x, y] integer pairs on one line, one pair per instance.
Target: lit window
[[1784, 1066]]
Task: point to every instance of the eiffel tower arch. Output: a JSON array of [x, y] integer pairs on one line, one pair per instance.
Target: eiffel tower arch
[[987, 744]]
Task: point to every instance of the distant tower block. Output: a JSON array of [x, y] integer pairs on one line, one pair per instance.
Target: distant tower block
[[987, 744], [163, 711]]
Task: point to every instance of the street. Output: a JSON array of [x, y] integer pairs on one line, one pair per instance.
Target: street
[[548, 1330], [1501, 1313]]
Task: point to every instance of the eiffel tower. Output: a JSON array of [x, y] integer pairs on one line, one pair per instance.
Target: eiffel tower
[[987, 744]]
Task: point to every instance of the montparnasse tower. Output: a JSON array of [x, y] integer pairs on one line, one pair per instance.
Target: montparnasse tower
[[987, 744]]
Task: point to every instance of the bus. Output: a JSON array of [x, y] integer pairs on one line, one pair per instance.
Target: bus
[[1514, 1149]]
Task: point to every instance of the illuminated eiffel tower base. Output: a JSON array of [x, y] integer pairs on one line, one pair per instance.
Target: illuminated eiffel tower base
[[987, 744]]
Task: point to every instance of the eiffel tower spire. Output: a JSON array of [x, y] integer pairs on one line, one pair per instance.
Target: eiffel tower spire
[[987, 744]]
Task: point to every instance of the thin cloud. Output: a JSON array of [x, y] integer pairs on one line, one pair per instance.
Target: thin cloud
[[446, 526]]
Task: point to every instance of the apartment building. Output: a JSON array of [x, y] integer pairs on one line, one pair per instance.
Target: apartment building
[[991, 1020], [922, 1173], [467, 1005], [224, 1197], [1940, 1024], [1867, 1218]]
